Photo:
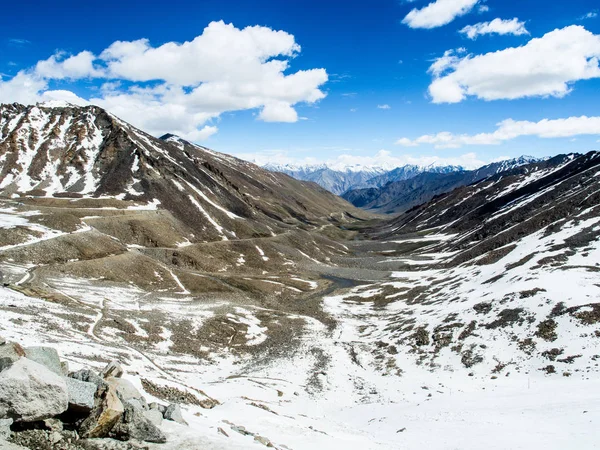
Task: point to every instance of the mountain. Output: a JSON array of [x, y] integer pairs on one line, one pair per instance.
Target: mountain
[[399, 196], [341, 179], [85, 152], [277, 314], [336, 181]]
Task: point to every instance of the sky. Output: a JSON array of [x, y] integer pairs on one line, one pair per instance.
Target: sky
[[385, 82]]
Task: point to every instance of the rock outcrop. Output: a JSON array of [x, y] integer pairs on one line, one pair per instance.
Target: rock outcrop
[[41, 407]]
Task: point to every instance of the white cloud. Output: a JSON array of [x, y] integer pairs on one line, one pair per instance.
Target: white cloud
[[510, 129], [496, 26], [386, 106], [179, 87], [545, 66], [383, 158], [438, 13], [59, 66], [590, 15], [483, 9]]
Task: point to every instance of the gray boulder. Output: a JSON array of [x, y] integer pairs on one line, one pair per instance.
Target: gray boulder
[[138, 404], [173, 413], [46, 356], [2, 340], [31, 392], [10, 353], [154, 416], [113, 369], [126, 390], [81, 395], [5, 428], [89, 376], [158, 406], [134, 425], [108, 410]]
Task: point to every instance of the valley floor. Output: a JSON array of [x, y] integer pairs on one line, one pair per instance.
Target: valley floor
[[401, 352]]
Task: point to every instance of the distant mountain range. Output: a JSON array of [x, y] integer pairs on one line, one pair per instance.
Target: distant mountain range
[[405, 193], [389, 191], [340, 180]]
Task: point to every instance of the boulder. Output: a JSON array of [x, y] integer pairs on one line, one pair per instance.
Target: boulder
[[134, 425], [173, 413], [81, 395], [10, 353], [5, 428], [113, 369], [126, 390], [2, 340], [88, 376], [154, 416], [138, 404], [158, 406], [108, 409], [31, 392], [46, 356]]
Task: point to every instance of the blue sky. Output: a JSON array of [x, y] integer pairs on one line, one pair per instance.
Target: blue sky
[[360, 90]]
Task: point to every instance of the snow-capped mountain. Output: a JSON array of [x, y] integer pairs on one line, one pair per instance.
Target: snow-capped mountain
[[340, 179], [80, 152], [404, 188], [337, 181]]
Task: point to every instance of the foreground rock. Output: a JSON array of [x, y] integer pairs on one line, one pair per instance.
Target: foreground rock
[[134, 425], [81, 395], [30, 392], [42, 408], [46, 356], [106, 413]]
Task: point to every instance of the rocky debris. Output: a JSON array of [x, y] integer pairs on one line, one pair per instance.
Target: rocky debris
[[110, 444], [173, 413], [106, 413], [46, 356], [30, 392], [113, 369], [81, 394], [5, 445], [134, 425], [263, 440], [5, 428]]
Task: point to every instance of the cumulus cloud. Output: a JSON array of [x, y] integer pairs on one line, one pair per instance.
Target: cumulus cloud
[[510, 129], [383, 158], [179, 87], [438, 13], [545, 66], [496, 26]]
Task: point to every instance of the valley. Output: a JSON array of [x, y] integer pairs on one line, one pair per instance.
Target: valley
[[276, 309]]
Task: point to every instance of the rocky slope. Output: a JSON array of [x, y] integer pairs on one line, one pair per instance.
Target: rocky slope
[[399, 194], [74, 152]]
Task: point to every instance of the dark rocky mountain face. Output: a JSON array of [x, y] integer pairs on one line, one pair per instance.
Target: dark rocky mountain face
[[495, 212], [409, 191], [73, 152]]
